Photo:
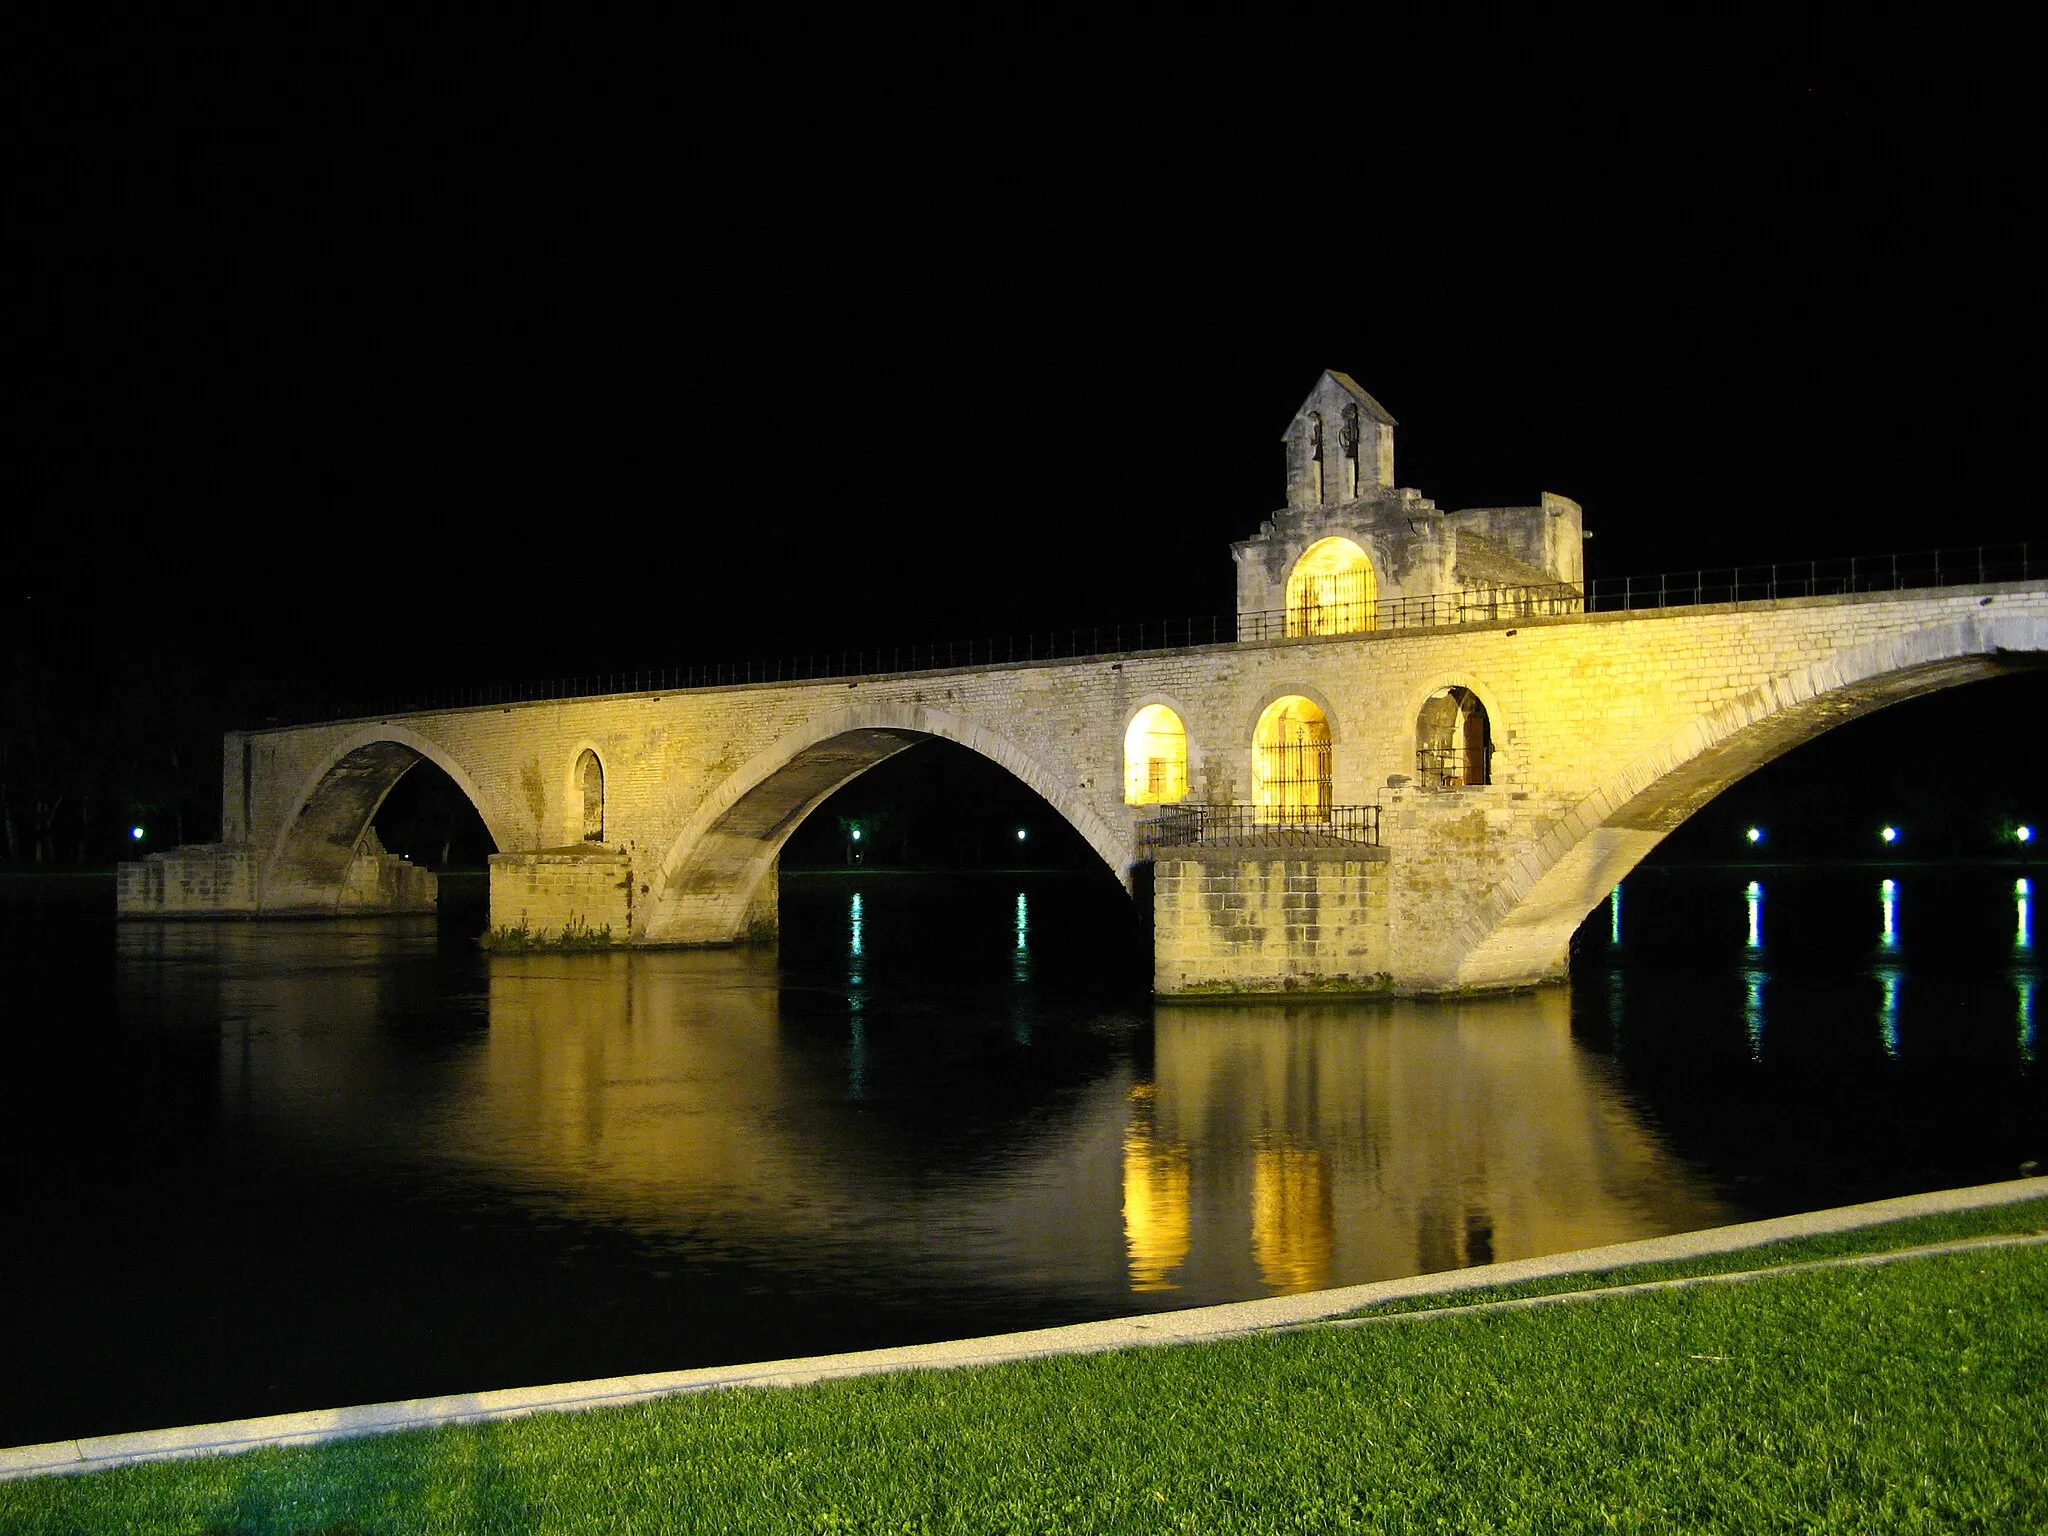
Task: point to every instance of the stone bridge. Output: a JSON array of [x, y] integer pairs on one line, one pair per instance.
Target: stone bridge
[[1516, 766], [1607, 731]]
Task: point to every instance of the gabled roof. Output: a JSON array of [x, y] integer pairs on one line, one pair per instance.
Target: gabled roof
[[1349, 385]]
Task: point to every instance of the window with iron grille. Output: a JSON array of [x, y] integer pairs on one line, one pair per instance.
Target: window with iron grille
[[1331, 590], [1291, 762]]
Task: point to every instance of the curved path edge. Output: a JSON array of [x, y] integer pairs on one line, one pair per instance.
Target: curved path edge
[[1195, 1324]]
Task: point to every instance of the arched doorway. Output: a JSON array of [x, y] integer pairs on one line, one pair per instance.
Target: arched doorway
[[1155, 758], [1331, 590], [1453, 741], [1291, 762]]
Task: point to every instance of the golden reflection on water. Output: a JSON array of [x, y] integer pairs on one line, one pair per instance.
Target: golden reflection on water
[[1318, 1144], [1293, 1218], [1155, 1198], [1275, 1147]]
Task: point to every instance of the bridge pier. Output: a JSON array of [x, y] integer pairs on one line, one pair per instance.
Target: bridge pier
[[580, 892], [1233, 921]]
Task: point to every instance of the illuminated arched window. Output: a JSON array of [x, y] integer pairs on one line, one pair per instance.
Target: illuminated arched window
[[1331, 590], [1291, 762], [1155, 758], [1453, 741], [590, 780]]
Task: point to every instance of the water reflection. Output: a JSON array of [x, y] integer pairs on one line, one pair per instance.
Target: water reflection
[[1614, 916], [1888, 1010], [1294, 1219], [1289, 1147], [1273, 1148], [1753, 1012], [2022, 896], [1753, 974], [1155, 1197], [856, 1001], [1020, 955], [924, 1118], [1887, 970]]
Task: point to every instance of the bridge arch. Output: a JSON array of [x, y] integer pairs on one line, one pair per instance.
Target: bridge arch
[[1520, 929], [708, 886], [336, 802]]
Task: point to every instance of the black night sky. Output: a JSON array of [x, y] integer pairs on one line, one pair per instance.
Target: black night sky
[[353, 355]]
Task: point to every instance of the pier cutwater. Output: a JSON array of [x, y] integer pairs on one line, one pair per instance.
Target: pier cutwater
[[1413, 763]]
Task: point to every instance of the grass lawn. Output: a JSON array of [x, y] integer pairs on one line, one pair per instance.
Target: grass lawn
[[1910, 1397]]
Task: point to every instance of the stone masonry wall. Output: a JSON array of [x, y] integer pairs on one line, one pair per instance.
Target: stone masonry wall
[[201, 880], [573, 891], [1235, 920]]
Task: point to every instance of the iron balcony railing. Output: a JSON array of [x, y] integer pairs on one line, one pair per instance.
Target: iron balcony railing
[[1260, 826], [1809, 578]]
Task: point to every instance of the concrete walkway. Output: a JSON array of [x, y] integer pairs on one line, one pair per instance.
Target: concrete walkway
[[1197, 1324]]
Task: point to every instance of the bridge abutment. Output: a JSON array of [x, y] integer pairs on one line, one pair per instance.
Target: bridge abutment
[[204, 880], [229, 880]]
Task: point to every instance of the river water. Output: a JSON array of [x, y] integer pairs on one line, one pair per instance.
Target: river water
[[257, 1167]]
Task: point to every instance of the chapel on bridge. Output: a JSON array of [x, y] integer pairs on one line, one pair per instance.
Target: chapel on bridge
[[1352, 551]]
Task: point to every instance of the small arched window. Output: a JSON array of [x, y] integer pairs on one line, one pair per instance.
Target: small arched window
[[1155, 758], [1453, 741], [1291, 762], [590, 781], [1331, 590]]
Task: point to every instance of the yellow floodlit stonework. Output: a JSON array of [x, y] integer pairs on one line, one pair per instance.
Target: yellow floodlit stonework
[[1155, 758], [1331, 590]]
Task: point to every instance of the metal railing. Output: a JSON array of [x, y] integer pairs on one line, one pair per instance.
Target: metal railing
[[1440, 767], [1820, 578], [1811, 578], [1476, 606], [1260, 826]]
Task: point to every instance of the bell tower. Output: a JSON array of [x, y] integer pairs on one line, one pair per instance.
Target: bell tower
[[1340, 446]]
